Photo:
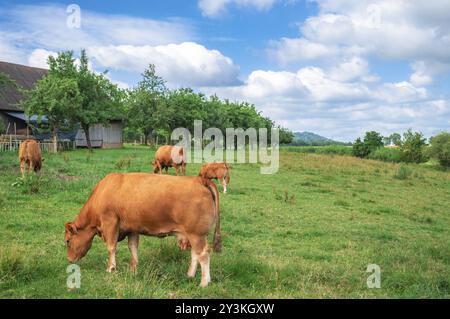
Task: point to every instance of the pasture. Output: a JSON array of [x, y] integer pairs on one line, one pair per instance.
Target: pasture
[[308, 231]]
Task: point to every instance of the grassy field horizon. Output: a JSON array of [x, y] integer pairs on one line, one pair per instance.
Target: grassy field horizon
[[308, 231]]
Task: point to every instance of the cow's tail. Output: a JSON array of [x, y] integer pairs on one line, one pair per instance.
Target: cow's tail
[[217, 244]]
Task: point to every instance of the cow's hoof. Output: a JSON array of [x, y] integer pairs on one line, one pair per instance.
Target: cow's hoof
[[203, 284], [133, 269], [111, 269], [191, 273]]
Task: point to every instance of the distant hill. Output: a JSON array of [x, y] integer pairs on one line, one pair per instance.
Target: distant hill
[[308, 138]]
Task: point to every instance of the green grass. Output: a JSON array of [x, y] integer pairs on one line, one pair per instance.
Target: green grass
[[308, 231]]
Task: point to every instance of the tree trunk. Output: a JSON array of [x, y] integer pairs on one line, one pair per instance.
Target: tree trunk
[[88, 138], [145, 139], [55, 140]]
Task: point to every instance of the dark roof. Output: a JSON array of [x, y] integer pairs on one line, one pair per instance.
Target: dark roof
[[25, 76]]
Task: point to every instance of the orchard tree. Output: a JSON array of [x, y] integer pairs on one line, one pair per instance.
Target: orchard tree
[[145, 104], [56, 96], [100, 99]]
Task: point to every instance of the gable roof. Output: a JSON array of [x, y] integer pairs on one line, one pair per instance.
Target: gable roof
[[25, 76]]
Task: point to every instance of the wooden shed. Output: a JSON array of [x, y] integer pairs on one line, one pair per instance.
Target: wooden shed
[[109, 136], [17, 123]]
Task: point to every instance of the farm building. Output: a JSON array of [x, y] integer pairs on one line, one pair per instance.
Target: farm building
[[17, 123]]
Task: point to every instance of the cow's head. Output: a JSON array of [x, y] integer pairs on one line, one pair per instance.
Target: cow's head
[[155, 167], [78, 241]]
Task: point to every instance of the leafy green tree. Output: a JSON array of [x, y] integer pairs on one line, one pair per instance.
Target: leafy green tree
[[395, 138], [359, 148], [413, 147], [146, 104], [56, 96], [101, 100], [6, 81], [372, 141], [286, 136], [440, 148]]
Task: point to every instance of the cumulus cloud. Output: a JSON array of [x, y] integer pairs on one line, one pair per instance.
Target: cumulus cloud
[[338, 105], [213, 8], [114, 41], [183, 63], [38, 58], [394, 30]]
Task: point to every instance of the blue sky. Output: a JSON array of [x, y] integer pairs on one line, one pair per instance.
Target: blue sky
[[337, 68]]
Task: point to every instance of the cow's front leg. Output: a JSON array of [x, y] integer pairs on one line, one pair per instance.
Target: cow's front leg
[[133, 244], [111, 235], [193, 266], [22, 168], [224, 184]]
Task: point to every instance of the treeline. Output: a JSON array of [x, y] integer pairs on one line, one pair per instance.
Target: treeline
[[412, 147], [153, 111], [72, 95]]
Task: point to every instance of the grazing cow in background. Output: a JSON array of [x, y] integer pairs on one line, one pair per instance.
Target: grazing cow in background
[[169, 156], [30, 154], [218, 171], [127, 205]]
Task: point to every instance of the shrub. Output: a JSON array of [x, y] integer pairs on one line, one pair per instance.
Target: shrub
[[413, 147], [403, 172], [440, 148], [385, 154]]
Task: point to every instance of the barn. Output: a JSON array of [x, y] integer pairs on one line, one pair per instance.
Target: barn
[[17, 123]]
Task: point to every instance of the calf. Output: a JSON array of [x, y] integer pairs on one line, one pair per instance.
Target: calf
[[30, 155], [169, 156], [127, 205], [218, 171]]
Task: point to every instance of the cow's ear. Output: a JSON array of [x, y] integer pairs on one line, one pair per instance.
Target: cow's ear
[[70, 226]]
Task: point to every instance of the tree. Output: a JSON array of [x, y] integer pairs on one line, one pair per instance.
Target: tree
[[412, 147], [100, 99], [56, 96], [372, 141], [359, 149], [286, 136], [6, 81], [440, 148], [145, 103]]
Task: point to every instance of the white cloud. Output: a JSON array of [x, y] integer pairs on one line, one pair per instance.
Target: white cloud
[[180, 64], [393, 30], [38, 58], [213, 8], [114, 41]]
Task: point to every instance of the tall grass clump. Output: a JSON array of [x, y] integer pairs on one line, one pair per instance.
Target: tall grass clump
[[385, 154], [403, 173]]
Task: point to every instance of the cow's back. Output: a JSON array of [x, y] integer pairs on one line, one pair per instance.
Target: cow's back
[[155, 204], [164, 154]]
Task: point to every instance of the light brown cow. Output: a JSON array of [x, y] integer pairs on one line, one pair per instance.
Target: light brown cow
[[169, 156], [218, 171], [30, 155], [127, 205]]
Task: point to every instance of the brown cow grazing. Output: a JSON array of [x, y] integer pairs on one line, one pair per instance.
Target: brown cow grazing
[[127, 205], [30, 155], [169, 156], [218, 171]]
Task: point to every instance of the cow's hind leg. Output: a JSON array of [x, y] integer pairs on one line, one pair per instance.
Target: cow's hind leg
[[110, 230], [200, 249], [133, 244]]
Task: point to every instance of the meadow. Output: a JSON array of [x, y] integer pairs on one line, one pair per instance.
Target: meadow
[[309, 231]]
